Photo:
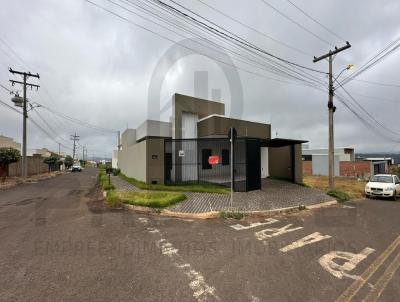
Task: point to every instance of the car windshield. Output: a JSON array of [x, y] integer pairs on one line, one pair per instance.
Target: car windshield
[[385, 179]]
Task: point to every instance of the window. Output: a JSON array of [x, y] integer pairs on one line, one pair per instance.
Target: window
[[205, 154], [225, 157]]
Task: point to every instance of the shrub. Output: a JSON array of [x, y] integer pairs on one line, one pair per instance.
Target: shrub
[[234, 215], [339, 195], [116, 172], [113, 199]]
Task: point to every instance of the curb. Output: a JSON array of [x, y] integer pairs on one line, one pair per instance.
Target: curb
[[215, 214], [30, 181]]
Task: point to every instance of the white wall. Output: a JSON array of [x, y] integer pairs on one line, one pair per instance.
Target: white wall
[[132, 161], [189, 125], [264, 162], [153, 128], [320, 164], [114, 159]]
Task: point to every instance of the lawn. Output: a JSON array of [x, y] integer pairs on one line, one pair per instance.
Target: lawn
[[189, 187], [146, 199], [351, 186]]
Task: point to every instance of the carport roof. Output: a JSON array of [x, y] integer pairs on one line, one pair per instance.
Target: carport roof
[[281, 142]]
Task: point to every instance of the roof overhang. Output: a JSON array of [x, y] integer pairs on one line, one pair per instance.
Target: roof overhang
[[281, 142]]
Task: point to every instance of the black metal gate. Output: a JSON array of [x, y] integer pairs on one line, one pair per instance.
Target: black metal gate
[[187, 160]]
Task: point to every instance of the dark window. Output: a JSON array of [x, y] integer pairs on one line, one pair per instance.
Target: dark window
[[225, 157], [205, 154]]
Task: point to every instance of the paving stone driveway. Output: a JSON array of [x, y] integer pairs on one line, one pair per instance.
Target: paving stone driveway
[[274, 194]]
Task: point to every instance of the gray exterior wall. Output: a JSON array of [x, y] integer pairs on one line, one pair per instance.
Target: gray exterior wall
[[155, 160], [320, 164], [153, 128], [218, 126], [183, 103]]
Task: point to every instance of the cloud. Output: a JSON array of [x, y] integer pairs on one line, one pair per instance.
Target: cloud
[[97, 68]]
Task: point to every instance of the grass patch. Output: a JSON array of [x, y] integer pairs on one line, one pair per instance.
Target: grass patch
[[233, 215], [186, 187], [151, 199], [113, 199], [339, 195], [353, 187], [103, 180]]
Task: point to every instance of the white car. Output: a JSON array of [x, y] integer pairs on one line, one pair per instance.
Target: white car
[[76, 167], [383, 185]]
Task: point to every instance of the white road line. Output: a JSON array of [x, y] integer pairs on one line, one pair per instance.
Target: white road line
[[240, 227], [351, 261], [202, 292], [312, 238], [273, 232]]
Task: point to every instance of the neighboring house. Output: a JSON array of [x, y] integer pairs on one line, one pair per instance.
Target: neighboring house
[[344, 154], [194, 147], [44, 152], [8, 142], [315, 162]]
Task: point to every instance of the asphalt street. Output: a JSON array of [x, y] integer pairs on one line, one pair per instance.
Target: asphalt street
[[58, 242]]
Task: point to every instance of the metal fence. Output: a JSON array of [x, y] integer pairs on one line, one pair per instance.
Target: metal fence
[[187, 160]]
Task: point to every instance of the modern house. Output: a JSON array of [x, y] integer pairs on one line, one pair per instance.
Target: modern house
[[194, 147]]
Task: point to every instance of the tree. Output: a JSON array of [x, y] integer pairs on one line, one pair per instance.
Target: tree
[[68, 162], [52, 161], [7, 157]]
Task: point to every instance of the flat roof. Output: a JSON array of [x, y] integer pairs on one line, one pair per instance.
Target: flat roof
[[229, 118], [281, 142]]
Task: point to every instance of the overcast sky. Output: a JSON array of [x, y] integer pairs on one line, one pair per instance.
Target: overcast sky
[[97, 68]]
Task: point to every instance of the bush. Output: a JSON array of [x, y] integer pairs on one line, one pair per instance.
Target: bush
[[116, 172], [233, 215], [339, 195], [113, 199]]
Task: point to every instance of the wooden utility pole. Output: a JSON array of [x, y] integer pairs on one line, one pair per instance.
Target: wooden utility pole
[[331, 152], [25, 75]]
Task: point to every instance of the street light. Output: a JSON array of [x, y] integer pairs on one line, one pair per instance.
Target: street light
[[350, 66]]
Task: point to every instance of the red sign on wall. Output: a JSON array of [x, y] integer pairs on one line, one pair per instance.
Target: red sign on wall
[[213, 160]]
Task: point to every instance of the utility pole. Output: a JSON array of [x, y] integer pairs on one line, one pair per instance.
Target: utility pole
[[331, 152], [59, 149], [75, 138], [25, 75], [83, 153]]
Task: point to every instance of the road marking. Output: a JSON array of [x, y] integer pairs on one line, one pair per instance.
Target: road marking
[[348, 207], [383, 281], [353, 289], [202, 292], [312, 238], [240, 227], [263, 234], [340, 271]]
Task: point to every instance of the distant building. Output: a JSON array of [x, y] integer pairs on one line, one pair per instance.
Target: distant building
[[344, 154], [8, 142]]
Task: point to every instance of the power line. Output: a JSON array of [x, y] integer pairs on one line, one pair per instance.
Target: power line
[[389, 49], [377, 83], [254, 29], [295, 22], [316, 21], [232, 36], [275, 70], [171, 40]]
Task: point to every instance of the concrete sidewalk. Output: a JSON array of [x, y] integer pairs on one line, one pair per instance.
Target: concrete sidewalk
[[274, 194]]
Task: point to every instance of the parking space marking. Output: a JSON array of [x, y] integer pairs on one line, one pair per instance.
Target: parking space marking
[[353, 289], [240, 227], [312, 238], [341, 270], [201, 290], [383, 281], [273, 232]]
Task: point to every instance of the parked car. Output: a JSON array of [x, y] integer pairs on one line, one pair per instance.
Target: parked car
[[383, 185], [76, 168]]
